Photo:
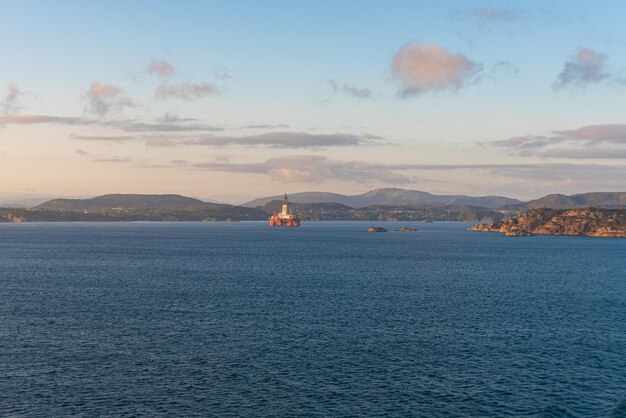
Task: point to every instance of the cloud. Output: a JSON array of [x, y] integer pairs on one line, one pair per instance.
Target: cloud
[[222, 158], [489, 14], [148, 140], [357, 92], [222, 73], [38, 119], [194, 134], [158, 141], [185, 91], [312, 169], [286, 140], [168, 123], [179, 162], [317, 169], [137, 126], [103, 99], [425, 68], [113, 160], [523, 142], [292, 140], [161, 68], [503, 66], [81, 152], [585, 67], [584, 153], [266, 126], [10, 103], [592, 141], [104, 138], [172, 118], [615, 133]]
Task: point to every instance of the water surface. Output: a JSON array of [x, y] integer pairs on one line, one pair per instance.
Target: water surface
[[327, 319]]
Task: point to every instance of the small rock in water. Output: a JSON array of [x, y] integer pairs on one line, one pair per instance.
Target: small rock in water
[[405, 229], [376, 229]]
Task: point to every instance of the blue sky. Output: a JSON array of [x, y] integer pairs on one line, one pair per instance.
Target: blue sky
[[514, 98]]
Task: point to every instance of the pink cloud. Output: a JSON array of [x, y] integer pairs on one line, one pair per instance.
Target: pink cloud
[[161, 68], [427, 67]]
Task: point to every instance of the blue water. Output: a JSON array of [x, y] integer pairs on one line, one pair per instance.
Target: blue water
[[230, 319]]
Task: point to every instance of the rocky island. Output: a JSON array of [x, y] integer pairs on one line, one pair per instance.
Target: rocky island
[[590, 222]]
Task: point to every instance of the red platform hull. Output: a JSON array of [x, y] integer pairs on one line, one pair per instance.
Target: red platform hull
[[276, 221]]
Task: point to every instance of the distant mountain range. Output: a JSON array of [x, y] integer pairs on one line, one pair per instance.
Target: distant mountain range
[[380, 204], [391, 197]]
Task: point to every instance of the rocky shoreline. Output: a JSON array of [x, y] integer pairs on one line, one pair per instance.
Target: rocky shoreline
[[591, 222]]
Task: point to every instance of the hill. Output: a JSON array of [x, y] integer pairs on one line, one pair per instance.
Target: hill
[[390, 197], [207, 212], [605, 200], [123, 201]]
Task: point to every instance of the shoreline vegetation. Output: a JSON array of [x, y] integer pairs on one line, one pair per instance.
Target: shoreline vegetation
[[226, 213]]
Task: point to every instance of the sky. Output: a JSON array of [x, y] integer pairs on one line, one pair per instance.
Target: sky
[[230, 101]]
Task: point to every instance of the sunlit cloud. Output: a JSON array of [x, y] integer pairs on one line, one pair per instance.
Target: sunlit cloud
[[422, 68]]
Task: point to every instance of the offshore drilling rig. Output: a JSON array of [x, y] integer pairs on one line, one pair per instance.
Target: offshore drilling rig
[[285, 217]]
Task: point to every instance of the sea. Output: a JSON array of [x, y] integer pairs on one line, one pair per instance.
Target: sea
[[239, 319]]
